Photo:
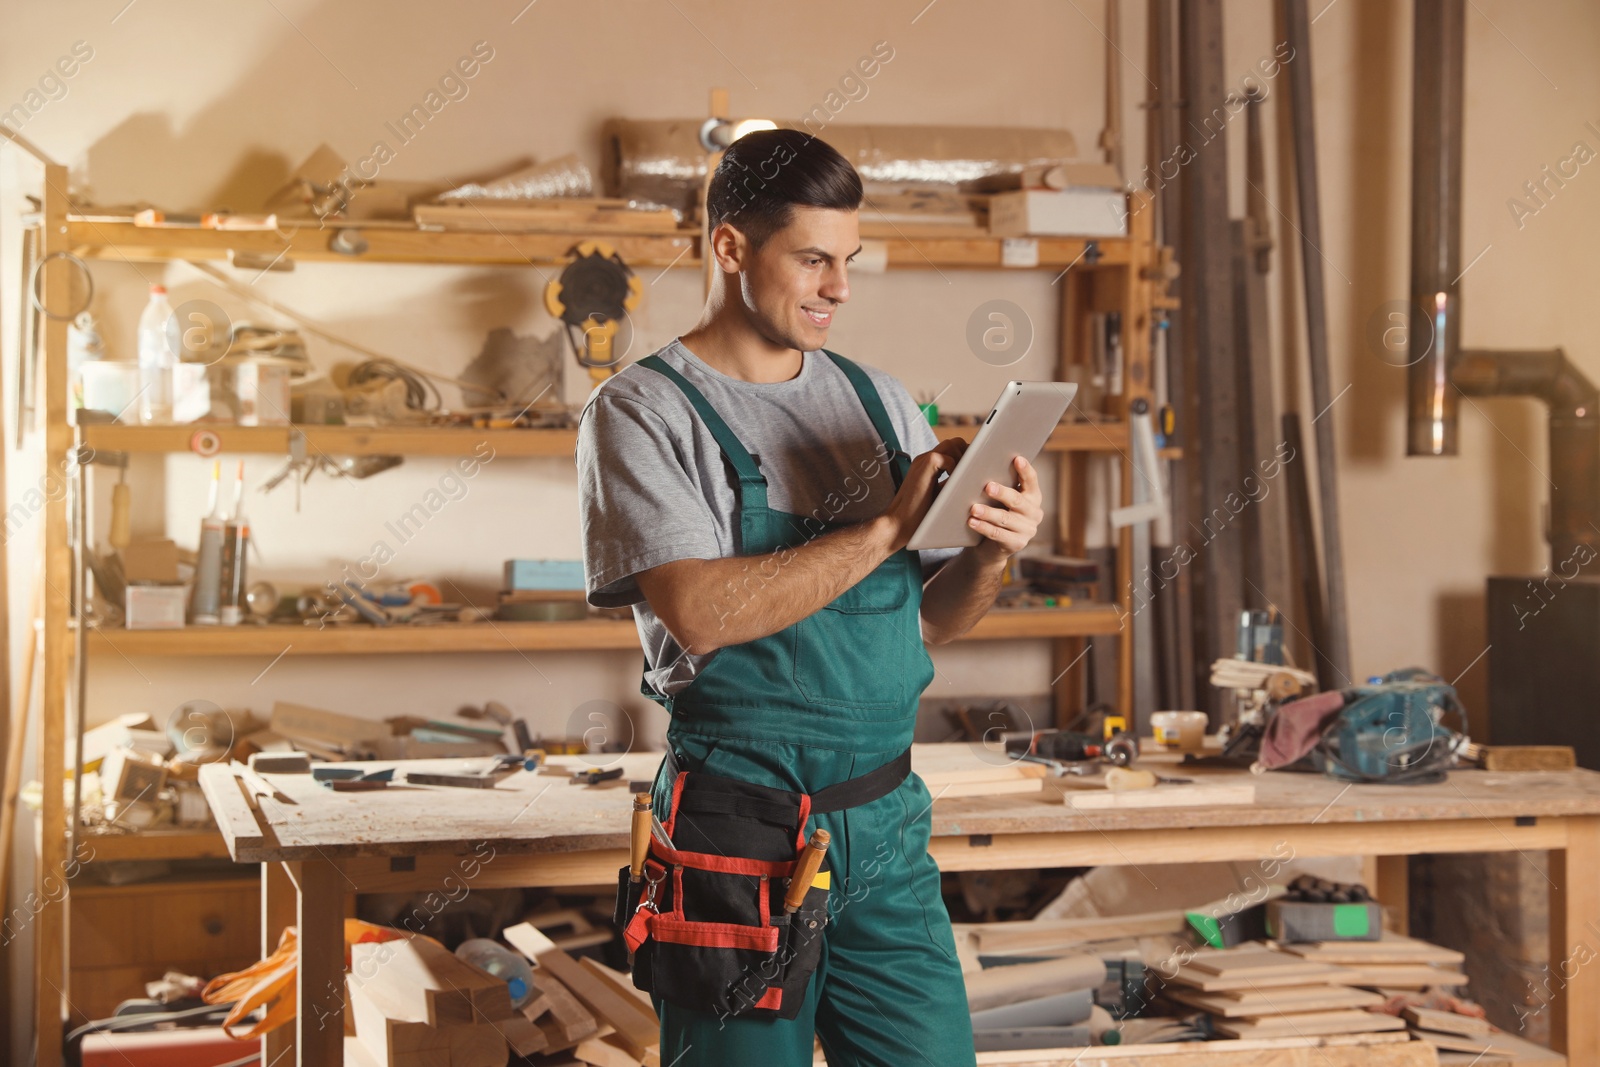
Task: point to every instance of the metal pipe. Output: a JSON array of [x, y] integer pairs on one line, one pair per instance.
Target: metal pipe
[[1435, 312], [1574, 428]]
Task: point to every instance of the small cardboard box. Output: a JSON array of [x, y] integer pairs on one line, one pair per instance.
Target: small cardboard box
[[1291, 921], [1063, 213]]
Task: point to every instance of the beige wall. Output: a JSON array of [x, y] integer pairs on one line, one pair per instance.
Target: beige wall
[[195, 105]]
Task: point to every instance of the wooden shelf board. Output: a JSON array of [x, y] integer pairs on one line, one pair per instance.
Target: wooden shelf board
[[454, 441], [388, 243], [154, 845], [579, 635], [125, 241], [496, 636], [465, 441]]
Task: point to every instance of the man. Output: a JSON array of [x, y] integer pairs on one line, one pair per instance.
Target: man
[[751, 496]]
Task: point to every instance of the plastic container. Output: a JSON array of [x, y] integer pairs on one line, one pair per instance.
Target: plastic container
[[156, 359], [1183, 731], [501, 962]]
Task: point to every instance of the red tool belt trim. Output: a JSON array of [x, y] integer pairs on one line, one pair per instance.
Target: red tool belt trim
[[772, 999], [704, 861], [714, 935]]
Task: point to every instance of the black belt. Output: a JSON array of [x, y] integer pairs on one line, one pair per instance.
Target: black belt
[[851, 793]]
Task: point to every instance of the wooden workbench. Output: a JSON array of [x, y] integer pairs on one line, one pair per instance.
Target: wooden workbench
[[534, 830]]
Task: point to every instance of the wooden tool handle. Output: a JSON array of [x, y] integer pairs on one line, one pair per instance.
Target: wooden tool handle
[[641, 835], [805, 870]]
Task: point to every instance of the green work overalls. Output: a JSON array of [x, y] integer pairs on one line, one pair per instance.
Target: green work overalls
[[830, 698]]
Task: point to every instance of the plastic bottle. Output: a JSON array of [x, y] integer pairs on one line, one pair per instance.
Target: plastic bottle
[[501, 962], [204, 598], [156, 359]]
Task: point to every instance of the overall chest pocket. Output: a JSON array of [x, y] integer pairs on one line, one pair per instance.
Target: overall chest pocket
[[861, 650]]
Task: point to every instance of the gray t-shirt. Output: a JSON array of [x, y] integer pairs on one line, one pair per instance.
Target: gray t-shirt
[[654, 486]]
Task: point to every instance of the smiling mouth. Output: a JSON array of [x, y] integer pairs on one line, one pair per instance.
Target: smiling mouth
[[819, 317]]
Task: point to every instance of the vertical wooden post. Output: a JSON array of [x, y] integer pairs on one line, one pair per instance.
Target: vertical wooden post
[[278, 909], [50, 946], [1135, 300], [1392, 887], [1575, 942], [319, 1008]]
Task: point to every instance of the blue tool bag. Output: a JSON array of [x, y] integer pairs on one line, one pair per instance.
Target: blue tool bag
[[1393, 731]]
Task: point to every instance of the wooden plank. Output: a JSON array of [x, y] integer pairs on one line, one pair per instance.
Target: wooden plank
[[1574, 903], [623, 985], [564, 215], [1528, 758], [404, 974], [1391, 949], [50, 979], [565, 1020], [1252, 961], [319, 1005], [595, 634], [1392, 1049], [1448, 1022], [387, 1030], [1311, 1023], [1254, 1004], [278, 910], [605, 1002], [235, 816], [1165, 796], [1393, 887], [1008, 936]]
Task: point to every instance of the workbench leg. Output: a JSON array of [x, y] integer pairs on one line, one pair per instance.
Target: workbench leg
[[1574, 977], [278, 909], [319, 1011], [1393, 890]]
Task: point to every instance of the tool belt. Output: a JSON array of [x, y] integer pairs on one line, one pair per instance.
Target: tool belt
[[706, 923]]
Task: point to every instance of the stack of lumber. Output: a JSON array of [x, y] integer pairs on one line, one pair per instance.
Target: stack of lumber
[[1257, 992], [622, 1028], [414, 1004], [974, 771], [1393, 963], [1466, 1039]]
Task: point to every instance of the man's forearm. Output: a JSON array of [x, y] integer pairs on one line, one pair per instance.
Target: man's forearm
[[714, 603], [961, 593]]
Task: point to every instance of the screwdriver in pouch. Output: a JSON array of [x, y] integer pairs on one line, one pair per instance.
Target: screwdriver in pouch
[[641, 835], [805, 870]]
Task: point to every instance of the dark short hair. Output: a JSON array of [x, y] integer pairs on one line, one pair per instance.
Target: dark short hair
[[765, 174]]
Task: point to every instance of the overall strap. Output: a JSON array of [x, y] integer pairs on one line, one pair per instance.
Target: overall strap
[[752, 486], [899, 462]]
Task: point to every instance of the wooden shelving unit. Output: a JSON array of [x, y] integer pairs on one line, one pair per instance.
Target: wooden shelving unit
[[1096, 274], [461, 440], [579, 635]]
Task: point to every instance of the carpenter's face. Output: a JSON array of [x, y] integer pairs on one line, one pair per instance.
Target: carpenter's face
[[792, 285]]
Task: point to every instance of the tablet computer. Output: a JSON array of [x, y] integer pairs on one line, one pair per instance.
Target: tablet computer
[[1020, 424]]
